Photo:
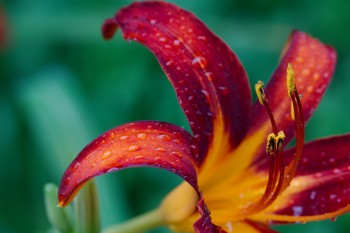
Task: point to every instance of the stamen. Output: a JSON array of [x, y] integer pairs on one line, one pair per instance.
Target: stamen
[[263, 101], [292, 113], [260, 92], [300, 132], [290, 79]]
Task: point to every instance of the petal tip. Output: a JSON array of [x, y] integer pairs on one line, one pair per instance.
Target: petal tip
[[109, 28]]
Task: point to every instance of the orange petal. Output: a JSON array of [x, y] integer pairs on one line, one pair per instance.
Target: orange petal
[[140, 144]]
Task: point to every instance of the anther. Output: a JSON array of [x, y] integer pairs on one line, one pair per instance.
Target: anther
[[279, 140], [290, 79], [260, 92], [271, 144]]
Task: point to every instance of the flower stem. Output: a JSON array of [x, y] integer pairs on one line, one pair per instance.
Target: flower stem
[[138, 224]]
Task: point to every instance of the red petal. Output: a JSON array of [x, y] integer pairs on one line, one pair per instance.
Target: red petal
[[204, 224], [325, 170], [313, 63], [209, 80], [147, 144]]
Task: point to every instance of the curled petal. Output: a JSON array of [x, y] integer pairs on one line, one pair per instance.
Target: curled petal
[[313, 63], [209, 80], [204, 224], [321, 187], [141, 144]]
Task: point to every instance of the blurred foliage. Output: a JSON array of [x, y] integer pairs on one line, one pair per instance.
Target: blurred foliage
[[61, 85]]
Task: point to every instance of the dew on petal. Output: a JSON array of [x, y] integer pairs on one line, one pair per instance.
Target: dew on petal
[[160, 149], [224, 90], [66, 181], [297, 210], [206, 93], [210, 76], [133, 148], [202, 38], [106, 154], [300, 59], [162, 39], [163, 137], [199, 62], [153, 21], [306, 72], [139, 157], [142, 136], [124, 137], [75, 167], [177, 42], [312, 195]]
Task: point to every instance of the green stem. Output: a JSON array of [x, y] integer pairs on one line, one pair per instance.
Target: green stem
[[138, 224]]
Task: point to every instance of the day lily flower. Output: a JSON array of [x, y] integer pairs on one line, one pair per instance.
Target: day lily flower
[[239, 176]]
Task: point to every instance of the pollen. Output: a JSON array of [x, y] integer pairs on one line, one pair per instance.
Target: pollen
[[290, 79], [260, 92], [271, 145]]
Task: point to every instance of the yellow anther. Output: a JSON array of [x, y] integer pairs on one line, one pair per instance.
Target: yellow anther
[[260, 92], [279, 140], [290, 79], [274, 142], [292, 113], [271, 144]]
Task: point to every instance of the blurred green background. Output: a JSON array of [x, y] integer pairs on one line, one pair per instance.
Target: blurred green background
[[62, 85]]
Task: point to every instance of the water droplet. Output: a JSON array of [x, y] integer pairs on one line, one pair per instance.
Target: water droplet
[[202, 38], [75, 167], [177, 42], [162, 39], [106, 154], [223, 89], [312, 195], [163, 137], [124, 137], [306, 72], [297, 210], [142, 136], [157, 158], [169, 63], [177, 141], [199, 62], [333, 219], [190, 30], [316, 76], [139, 157], [66, 181], [161, 149], [210, 76], [153, 21], [178, 154], [206, 93], [133, 148], [300, 59]]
